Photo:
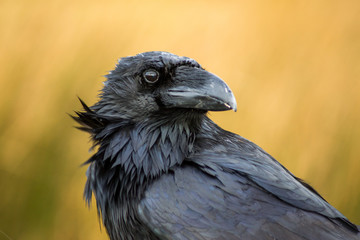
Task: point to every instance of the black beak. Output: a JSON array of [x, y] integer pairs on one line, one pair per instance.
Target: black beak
[[196, 88]]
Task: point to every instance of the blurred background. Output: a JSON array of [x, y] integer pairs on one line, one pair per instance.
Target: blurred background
[[294, 67]]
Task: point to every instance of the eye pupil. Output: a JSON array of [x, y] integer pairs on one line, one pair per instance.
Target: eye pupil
[[151, 76]]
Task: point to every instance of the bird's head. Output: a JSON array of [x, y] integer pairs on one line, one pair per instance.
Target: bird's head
[[159, 82]]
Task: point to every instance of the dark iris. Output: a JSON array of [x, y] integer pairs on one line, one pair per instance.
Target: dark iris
[[151, 76]]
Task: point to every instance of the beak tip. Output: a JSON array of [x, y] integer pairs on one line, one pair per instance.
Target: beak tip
[[233, 104]]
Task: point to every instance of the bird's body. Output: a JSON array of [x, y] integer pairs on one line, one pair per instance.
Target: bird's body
[[164, 170]]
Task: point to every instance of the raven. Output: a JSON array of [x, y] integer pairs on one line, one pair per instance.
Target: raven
[[164, 170]]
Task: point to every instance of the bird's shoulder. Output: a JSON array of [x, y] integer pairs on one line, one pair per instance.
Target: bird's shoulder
[[219, 152], [189, 203]]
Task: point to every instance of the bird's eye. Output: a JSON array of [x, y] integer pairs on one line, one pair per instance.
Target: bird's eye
[[151, 76]]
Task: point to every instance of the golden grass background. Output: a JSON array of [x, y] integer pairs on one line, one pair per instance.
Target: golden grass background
[[294, 67]]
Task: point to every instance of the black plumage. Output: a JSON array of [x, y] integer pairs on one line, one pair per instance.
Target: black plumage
[[164, 170]]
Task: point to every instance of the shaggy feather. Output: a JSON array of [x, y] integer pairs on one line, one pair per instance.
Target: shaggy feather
[[163, 170]]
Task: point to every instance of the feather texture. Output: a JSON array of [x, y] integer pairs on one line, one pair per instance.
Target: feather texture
[[163, 170]]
